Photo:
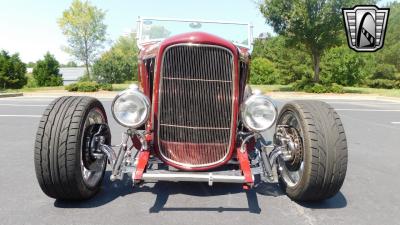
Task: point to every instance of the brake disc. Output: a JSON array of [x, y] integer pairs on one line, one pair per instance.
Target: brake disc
[[295, 148]]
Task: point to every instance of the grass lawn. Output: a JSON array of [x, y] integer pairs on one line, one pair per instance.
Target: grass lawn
[[116, 87], [26, 89], [375, 91], [271, 87], [351, 90], [121, 87]]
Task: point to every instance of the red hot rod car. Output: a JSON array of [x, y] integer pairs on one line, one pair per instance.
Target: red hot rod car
[[193, 118]]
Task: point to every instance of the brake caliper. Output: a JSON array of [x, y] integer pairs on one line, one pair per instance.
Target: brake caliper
[[96, 135]]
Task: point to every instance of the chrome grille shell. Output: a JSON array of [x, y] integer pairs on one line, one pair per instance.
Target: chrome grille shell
[[185, 137]]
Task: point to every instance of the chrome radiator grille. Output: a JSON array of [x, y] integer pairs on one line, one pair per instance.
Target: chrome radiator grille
[[195, 104]]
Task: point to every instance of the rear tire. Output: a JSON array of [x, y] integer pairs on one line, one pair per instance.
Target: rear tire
[[59, 148], [324, 154]]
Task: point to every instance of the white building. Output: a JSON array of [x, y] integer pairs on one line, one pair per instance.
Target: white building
[[72, 74], [69, 74]]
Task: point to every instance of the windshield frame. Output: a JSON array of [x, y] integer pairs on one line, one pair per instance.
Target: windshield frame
[[141, 42]]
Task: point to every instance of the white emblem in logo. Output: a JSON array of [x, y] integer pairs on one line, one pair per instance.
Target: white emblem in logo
[[365, 27]]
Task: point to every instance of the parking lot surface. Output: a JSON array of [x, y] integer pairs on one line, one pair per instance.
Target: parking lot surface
[[370, 194]]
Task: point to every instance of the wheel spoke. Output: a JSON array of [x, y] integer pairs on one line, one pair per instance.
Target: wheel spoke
[[290, 174]]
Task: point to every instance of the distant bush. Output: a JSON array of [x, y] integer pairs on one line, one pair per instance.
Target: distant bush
[[320, 88], [70, 64], [12, 71], [262, 71], [106, 87], [31, 81], [304, 84], [307, 85], [47, 72], [298, 72], [336, 88], [317, 88], [71, 87], [383, 83], [30, 65], [88, 86], [83, 87]]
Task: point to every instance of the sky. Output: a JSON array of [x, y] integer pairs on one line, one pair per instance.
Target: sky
[[29, 27]]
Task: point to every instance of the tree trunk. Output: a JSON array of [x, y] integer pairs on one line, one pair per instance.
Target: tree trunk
[[87, 69], [316, 61], [87, 59]]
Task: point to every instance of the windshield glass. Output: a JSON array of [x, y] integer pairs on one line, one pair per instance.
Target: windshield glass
[[151, 29]]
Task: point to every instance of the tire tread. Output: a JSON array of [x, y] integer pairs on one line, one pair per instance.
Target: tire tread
[[327, 148], [56, 152]]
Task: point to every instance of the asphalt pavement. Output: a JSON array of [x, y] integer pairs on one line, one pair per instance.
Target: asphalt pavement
[[370, 194]]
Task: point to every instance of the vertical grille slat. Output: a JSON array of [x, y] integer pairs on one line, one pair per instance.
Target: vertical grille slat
[[195, 104]]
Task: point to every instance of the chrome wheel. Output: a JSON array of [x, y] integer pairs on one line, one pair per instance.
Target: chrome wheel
[[91, 168], [291, 167], [313, 148]]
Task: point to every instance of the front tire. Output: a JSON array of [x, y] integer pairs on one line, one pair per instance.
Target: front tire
[[320, 172], [62, 165]]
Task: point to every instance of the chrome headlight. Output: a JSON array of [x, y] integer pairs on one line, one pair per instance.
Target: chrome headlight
[[131, 108], [258, 112]]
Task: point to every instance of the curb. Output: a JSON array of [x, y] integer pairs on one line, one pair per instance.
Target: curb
[[6, 95]]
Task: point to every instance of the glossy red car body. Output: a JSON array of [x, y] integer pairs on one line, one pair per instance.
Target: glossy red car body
[[149, 78]]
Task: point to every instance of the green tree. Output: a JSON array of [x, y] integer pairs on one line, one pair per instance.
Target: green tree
[[126, 45], [291, 63], [384, 71], [47, 72], [262, 71], [70, 64], [315, 24], [119, 64], [30, 65], [12, 71], [83, 25], [390, 53], [343, 66]]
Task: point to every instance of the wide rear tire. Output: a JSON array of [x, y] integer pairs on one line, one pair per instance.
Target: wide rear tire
[[59, 148], [324, 154]]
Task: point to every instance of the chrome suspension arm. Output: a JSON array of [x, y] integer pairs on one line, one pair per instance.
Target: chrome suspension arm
[[110, 153], [273, 156], [117, 160], [268, 160], [116, 171]]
